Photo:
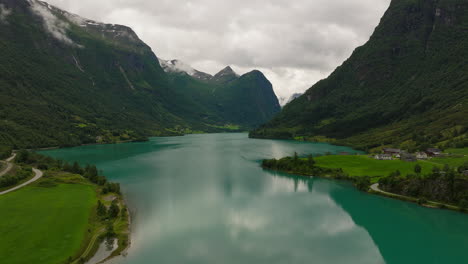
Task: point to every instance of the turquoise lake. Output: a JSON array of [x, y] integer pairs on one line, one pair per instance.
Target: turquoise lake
[[204, 199]]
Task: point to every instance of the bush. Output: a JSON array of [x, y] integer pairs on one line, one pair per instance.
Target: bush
[[422, 201], [43, 167], [5, 152], [114, 209], [363, 183], [463, 203]]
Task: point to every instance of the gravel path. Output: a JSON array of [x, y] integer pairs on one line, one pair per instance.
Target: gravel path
[[37, 176]]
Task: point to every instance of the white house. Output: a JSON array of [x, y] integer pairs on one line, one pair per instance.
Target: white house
[[421, 155], [383, 157]]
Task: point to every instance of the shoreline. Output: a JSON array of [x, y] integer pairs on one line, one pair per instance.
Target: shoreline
[[82, 145], [125, 141], [428, 204], [124, 251], [374, 189], [97, 239]]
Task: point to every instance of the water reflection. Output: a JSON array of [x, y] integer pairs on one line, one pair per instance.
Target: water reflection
[[205, 199]]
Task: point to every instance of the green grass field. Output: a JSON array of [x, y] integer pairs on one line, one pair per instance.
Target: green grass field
[[451, 161], [459, 151], [362, 165], [44, 224], [459, 158]]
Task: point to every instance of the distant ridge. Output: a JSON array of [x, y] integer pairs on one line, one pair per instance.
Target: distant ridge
[[407, 86], [67, 80]]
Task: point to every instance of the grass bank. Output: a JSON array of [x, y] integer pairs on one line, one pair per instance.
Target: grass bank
[[363, 165], [60, 218], [46, 222]]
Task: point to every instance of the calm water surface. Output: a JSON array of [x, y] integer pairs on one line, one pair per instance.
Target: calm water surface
[[204, 199]]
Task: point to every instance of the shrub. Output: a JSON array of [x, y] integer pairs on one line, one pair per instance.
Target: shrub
[[363, 183], [422, 201]]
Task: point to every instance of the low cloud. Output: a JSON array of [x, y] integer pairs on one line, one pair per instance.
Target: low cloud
[[295, 43], [55, 26], [4, 13]]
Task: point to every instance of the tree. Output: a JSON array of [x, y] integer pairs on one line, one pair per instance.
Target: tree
[[110, 230], [22, 156], [363, 183], [296, 158], [76, 168], [123, 212], [67, 167], [114, 209], [91, 171], [463, 203], [311, 160], [417, 169], [101, 209], [446, 168]]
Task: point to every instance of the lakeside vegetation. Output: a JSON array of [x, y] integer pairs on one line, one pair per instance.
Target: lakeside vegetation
[[438, 179], [446, 185], [68, 212], [16, 176]]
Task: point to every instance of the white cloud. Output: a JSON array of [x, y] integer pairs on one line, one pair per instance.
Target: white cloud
[[4, 13], [295, 43], [56, 27]]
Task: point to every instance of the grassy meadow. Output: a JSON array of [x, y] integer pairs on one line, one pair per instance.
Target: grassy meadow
[[46, 222], [362, 165]]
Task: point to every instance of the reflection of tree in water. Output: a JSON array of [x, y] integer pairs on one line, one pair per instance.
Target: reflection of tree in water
[[405, 232], [298, 180], [110, 243]]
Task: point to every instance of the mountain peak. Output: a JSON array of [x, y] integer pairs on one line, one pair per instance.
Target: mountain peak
[[225, 75], [226, 70]]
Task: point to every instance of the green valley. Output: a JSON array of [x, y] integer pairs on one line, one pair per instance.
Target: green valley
[[66, 80]]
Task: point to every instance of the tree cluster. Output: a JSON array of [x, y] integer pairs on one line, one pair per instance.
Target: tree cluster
[[445, 185], [11, 180]]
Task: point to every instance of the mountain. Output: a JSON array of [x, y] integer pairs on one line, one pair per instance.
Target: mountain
[[407, 86], [66, 80], [244, 101], [226, 75]]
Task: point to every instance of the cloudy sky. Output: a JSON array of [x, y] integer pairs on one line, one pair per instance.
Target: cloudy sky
[[295, 43]]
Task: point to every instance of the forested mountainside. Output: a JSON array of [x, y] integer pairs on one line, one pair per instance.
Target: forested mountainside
[[66, 80], [407, 86], [247, 100]]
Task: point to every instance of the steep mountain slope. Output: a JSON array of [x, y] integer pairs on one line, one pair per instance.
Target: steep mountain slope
[[293, 97], [244, 101], [407, 86], [66, 80]]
